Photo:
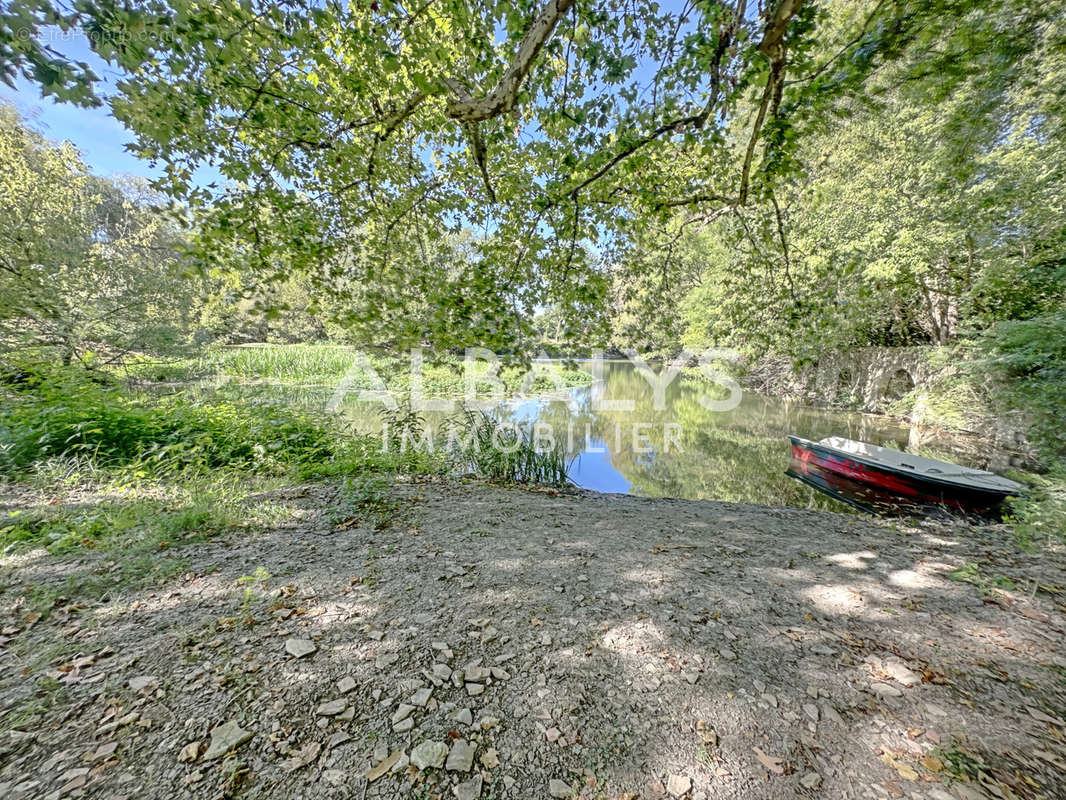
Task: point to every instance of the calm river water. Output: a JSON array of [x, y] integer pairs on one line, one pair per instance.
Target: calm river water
[[683, 449]]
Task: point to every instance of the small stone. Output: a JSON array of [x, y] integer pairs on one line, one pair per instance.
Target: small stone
[[476, 674], [421, 697], [489, 759], [884, 690], [347, 715], [224, 738], [831, 714], [461, 757], [334, 777], [386, 660], [404, 725], [104, 752], [771, 699], [464, 716], [143, 683], [331, 708], [552, 735], [678, 785], [190, 752], [557, 788], [402, 713], [339, 738], [346, 684], [474, 689], [500, 674], [898, 670], [441, 672], [469, 790], [812, 780], [298, 648], [811, 710], [429, 755]]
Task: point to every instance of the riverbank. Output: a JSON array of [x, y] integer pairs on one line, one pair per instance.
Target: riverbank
[[516, 643]]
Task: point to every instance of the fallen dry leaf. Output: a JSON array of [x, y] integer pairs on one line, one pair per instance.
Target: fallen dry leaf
[[706, 733], [772, 763], [905, 770]]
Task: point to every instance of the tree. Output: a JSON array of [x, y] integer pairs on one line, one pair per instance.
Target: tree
[[928, 206], [379, 127], [86, 263]]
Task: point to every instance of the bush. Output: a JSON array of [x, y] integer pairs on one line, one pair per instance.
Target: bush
[[1029, 358], [49, 413]]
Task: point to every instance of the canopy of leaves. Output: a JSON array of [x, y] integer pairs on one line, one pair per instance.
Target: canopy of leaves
[[354, 136]]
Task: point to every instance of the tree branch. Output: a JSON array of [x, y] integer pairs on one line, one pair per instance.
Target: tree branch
[[504, 95]]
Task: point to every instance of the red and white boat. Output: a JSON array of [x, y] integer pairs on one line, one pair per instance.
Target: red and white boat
[[880, 479]]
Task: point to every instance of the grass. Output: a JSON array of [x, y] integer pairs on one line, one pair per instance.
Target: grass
[[1039, 517], [506, 454], [442, 375], [138, 535], [137, 479]]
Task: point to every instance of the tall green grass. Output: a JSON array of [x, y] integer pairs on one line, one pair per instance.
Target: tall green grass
[[54, 419], [70, 413], [506, 454], [442, 374], [317, 363]]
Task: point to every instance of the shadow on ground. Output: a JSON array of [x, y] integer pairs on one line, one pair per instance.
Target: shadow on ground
[[624, 647]]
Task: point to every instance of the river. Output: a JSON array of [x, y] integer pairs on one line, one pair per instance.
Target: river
[[682, 449]]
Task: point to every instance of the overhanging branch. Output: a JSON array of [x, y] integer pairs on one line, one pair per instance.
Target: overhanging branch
[[504, 95]]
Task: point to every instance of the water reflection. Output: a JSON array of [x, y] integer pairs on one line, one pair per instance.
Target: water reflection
[[683, 449]]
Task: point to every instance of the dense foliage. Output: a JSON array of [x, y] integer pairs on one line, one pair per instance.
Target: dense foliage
[[354, 138], [86, 263], [928, 208], [787, 177]]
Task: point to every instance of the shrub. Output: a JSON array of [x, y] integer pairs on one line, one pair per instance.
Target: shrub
[[52, 414], [1029, 357]]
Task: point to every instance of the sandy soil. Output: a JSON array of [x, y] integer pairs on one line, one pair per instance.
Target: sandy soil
[[502, 643]]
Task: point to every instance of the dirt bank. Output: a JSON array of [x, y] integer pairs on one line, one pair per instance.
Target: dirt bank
[[519, 644]]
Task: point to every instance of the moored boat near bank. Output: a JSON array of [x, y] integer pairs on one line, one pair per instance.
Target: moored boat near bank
[[879, 479]]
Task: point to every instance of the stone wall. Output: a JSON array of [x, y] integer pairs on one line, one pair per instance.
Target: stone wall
[[869, 378]]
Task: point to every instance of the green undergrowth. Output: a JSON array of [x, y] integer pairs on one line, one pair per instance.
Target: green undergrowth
[[326, 364], [134, 478], [137, 534]]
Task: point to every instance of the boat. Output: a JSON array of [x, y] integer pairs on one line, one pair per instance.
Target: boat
[[882, 480]]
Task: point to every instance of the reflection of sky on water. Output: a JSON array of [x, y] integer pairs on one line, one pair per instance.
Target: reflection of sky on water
[[593, 470], [738, 456]]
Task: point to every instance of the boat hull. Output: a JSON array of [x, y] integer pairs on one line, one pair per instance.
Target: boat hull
[[882, 488]]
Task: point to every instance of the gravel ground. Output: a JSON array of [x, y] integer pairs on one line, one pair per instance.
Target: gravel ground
[[507, 643]]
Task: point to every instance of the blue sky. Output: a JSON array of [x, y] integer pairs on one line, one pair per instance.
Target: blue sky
[[99, 136]]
